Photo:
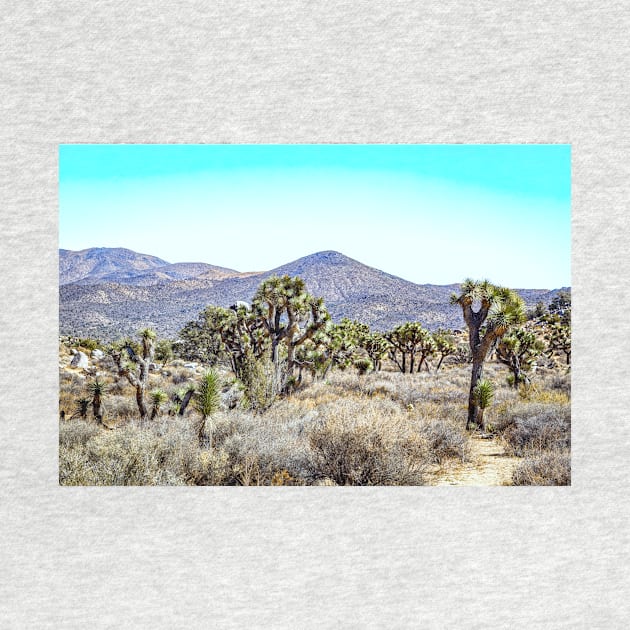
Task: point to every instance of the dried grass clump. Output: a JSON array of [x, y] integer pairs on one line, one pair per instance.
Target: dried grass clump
[[129, 455], [358, 444], [547, 469], [444, 441], [529, 428]]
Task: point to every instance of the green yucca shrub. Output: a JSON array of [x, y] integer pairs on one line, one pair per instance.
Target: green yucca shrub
[[207, 400], [158, 398], [483, 394]]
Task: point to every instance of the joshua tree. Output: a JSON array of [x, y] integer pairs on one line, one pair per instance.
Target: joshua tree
[[136, 369], [483, 394], [343, 341], [207, 400], [158, 397], [97, 389], [289, 315], [558, 336], [518, 350], [425, 346], [376, 347], [410, 339], [444, 345], [497, 310], [397, 344]]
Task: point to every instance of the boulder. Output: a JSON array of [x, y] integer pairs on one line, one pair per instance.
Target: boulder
[[190, 366], [97, 354], [79, 360]]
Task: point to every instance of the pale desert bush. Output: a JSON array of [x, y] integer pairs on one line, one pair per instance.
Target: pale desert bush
[[528, 427], [444, 441], [547, 469], [356, 444], [129, 455]]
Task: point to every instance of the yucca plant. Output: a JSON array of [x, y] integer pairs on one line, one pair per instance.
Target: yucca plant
[[158, 397], [81, 408], [483, 394], [98, 389], [363, 365], [207, 400]]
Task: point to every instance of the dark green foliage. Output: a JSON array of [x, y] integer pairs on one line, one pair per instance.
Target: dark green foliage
[[561, 306], [164, 351], [258, 379], [82, 406]]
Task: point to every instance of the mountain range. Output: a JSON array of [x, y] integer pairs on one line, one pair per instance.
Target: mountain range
[[114, 292]]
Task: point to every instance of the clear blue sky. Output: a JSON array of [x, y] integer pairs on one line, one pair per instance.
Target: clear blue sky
[[427, 213]]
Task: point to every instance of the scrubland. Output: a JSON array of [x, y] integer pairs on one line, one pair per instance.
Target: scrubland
[[380, 428]]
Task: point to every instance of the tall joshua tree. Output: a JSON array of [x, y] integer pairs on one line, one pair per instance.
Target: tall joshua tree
[[136, 368], [489, 312], [290, 316]]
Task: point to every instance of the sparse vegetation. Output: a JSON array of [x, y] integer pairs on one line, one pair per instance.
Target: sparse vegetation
[[277, 394]]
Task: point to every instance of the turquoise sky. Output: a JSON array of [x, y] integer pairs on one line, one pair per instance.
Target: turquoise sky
[[427, 213]]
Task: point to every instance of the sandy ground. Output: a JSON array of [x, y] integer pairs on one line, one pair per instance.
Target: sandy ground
[[488, 465]]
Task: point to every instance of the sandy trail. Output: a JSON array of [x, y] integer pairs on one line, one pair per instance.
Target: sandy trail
[[489, 465]]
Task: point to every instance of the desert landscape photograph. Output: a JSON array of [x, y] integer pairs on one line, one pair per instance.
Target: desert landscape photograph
[[315, 315]]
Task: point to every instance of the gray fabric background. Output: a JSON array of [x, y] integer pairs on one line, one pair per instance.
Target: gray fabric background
[[265, 71]]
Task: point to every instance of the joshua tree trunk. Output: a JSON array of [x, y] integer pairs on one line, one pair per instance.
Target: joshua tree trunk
[[474, 416], [187, 396], [142, 407]]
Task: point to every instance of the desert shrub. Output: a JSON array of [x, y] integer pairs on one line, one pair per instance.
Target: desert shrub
[[444, 441], [355, 445], [562, 383], [166, 454], [180, 375], [536, 427], [121, 408], [75, 433], [87, 344], [547, 469]]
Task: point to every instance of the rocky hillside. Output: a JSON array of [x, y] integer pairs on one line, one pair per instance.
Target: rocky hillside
[[99, 308], [116, 264]]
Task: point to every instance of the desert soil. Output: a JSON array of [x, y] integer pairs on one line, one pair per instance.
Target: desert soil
[[488, 465]]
